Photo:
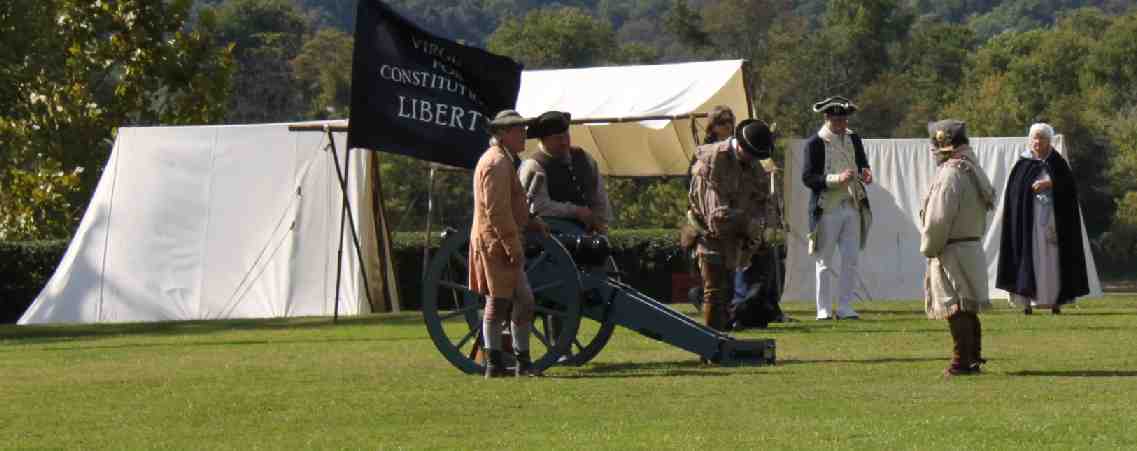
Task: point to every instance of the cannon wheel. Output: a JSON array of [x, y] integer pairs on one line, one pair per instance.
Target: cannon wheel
[[453, 313], [588, 343]]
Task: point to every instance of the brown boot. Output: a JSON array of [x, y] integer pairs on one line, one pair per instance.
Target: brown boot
[[961, 345], [716, 286], [713, 315], [977, 343]]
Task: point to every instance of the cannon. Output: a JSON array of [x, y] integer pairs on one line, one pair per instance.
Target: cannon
[[579, 302]]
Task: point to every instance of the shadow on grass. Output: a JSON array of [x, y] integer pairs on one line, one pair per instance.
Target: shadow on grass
[[837, 329], [1076, 313], [863, 361], [182, 344], [54, 333], [1075, 373], [646, 369]]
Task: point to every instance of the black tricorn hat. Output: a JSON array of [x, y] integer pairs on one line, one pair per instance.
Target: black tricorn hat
[[549, 123], [836, 106], [755, 137], [947, 134]]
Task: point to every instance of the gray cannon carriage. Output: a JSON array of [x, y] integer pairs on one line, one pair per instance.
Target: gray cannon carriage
[[573, 278]]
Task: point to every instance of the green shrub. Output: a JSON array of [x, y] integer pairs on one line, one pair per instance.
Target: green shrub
[[643, 256], [1117, 248], [25, 267]]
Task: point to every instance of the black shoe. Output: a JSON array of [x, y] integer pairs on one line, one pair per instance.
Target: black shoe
[[1056, 310], [960, 370], [494, 366], [1028, 311], [525, 365]]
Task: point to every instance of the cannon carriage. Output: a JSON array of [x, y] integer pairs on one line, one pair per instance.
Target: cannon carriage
[[579, 302]]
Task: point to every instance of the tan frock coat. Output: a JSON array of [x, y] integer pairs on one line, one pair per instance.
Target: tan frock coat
[[954, 222], [500, 216], [729, 198]]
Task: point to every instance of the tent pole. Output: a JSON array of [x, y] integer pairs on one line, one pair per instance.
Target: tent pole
[[345, 212], [429, 215]]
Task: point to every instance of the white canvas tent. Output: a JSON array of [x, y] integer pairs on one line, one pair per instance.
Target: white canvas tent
[[217, 222], [891, 266]]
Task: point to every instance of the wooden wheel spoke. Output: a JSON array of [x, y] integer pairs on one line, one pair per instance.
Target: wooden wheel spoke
[[541, 337], [477, 331], [548, 286], [461, 262], [551, 312], [537, 261], [461, 311], [456, 286]]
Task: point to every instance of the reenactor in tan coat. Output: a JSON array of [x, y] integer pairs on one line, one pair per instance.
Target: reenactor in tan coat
[[954, 219], [497, 254], [727, 199]]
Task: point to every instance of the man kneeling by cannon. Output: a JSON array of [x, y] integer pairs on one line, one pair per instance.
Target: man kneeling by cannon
[[726, 215]]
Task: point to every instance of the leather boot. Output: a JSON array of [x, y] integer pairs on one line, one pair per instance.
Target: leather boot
[[716, 287], [977, 343], [713, 316], [494, 365], [525, 365], [961, 338]]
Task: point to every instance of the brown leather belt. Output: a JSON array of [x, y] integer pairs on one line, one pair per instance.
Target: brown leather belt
[[962, 240]]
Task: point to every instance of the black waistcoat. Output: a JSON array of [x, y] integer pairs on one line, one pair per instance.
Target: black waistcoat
[[573, 182]]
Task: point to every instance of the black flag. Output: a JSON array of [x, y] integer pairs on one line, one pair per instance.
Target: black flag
[[419, 95]]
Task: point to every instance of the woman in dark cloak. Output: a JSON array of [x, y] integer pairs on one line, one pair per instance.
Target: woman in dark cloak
[[1042, 261]]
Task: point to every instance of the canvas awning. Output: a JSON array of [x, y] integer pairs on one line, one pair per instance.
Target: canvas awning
[[612, 101]]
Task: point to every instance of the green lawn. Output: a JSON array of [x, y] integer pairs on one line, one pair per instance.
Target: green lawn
[[376, 382]]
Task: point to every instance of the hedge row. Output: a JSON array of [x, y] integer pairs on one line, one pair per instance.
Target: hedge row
[[647, 259], [25, 267]]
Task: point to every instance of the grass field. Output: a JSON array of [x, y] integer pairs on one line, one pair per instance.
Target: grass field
[[376, 382]]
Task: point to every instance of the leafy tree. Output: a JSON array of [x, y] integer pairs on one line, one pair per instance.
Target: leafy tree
[[686, 24], [1113, 63], [793, 77], [266, 35], [321, 71], [74, 70], [859, 32], [1120, 244], [555, 38]]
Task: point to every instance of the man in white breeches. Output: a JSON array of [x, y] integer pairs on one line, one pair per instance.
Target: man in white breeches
[[837, 172]]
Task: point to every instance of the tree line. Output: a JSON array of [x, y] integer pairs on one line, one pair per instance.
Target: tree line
[[78, 69]]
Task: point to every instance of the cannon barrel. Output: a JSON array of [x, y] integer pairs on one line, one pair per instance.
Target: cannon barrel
[[586, 250]]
